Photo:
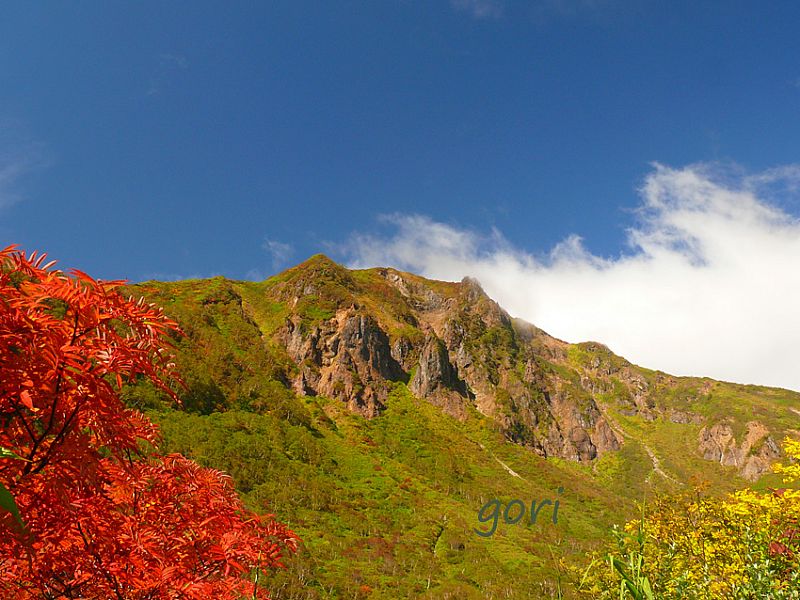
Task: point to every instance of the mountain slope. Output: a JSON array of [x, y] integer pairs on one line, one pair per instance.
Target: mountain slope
[[377, 412]]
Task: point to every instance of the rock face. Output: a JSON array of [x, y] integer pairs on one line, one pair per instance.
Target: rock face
[[347, 357], [752, 457], [453, 346], [436, 379]]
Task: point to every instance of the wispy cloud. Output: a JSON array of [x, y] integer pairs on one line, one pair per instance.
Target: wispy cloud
[[10, 171], [479, 9], [168, 65], [174, 60], [570, 7], [280, 252], [710, 283], [18, 156], [541, 11]]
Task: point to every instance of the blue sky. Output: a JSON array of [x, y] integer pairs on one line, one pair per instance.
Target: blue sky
[[169, 140], [175, 138]]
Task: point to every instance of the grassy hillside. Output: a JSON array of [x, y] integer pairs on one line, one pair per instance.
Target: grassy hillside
[[392, 503], [388, 507]]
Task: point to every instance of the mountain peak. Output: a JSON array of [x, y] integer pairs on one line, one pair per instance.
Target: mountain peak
[[472, 289], [318, 262], [319, 267]]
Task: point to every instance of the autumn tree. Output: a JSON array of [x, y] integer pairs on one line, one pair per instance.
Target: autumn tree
[[87, 508]]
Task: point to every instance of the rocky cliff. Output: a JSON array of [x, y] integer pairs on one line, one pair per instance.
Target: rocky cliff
[[752, 456], [450, 343]]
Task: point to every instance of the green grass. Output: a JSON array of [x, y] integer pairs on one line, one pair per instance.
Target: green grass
[[396, 498]]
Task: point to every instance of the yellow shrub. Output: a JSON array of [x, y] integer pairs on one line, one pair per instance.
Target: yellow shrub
[[745, 545]]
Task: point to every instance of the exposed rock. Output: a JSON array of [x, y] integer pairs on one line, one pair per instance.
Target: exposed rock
[[683, 417], [467, 358], [752, 457], [714, 442], [420, 297], [347, 357], [605, 438], [469, 355], [437, 380], [582, 444], [401, 352]]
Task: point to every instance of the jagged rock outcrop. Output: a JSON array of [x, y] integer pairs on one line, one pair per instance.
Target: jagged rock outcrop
[[436, 379], [580, 431], [452, 344], [752, 457], [347, 357], [473, 358]]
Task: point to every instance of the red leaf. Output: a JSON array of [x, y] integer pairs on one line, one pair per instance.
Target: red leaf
[[25, 398]]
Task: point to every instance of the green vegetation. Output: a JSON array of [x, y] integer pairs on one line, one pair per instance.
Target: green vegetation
[[387, 507], [393, 501]]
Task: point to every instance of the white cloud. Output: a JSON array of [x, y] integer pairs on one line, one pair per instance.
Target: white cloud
[[480, 9], [278, 251], [710, 284], [162, 276]]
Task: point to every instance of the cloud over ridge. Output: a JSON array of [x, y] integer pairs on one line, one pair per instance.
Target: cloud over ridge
[[710, 284]]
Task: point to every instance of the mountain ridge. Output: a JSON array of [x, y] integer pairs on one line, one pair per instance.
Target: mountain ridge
[[348, 333]]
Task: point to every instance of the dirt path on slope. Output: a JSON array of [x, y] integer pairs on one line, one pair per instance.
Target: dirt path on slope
[[508, 469], [617, 429]]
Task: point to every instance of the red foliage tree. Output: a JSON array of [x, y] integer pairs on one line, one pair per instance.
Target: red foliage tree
[[104, 517]]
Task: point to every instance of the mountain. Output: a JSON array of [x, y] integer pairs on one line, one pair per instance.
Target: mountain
[[377, 412]]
